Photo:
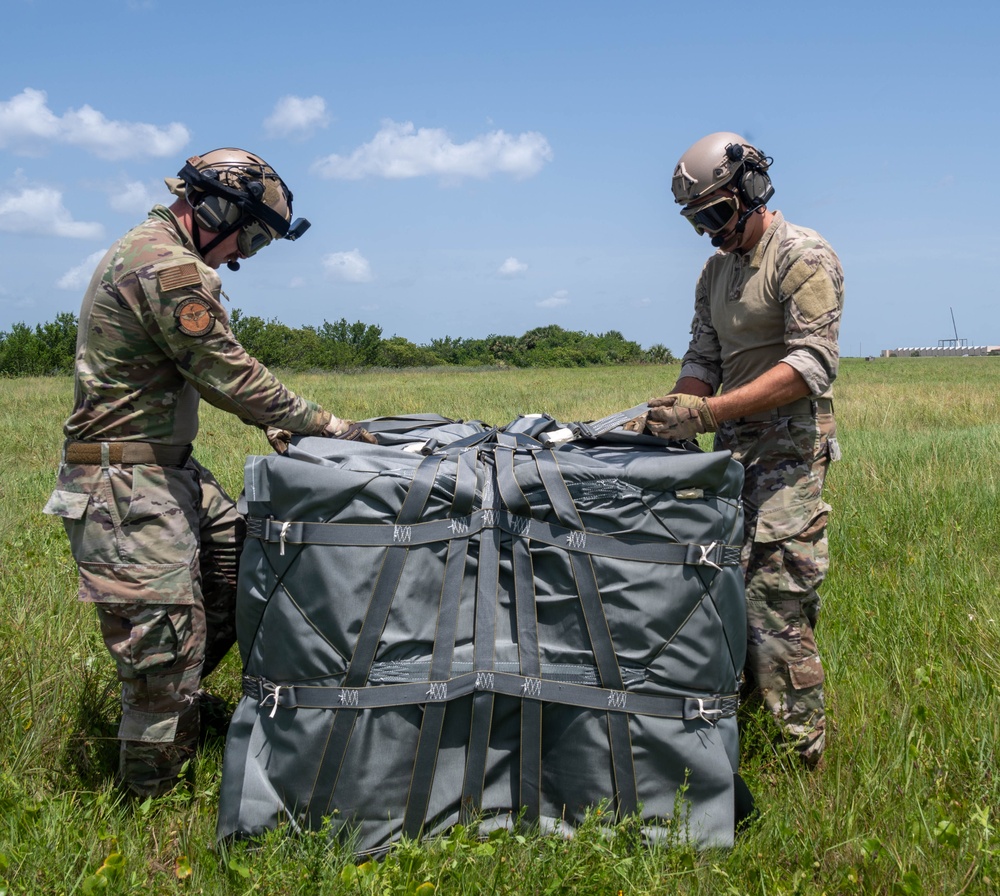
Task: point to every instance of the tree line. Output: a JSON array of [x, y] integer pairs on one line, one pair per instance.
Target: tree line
[[49, 349]]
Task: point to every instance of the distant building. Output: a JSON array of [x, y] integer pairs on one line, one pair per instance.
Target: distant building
[[941, 351]]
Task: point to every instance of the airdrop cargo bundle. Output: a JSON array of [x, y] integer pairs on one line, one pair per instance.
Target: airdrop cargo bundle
[[465, 623]]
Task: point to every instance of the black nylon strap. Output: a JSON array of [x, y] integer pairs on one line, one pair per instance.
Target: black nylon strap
[[601, 643], [568, 538], [466, 480], [597, 428], [484, 649], [272, 697], [527, 633], [425, 757], [530, 660], [328, 772]]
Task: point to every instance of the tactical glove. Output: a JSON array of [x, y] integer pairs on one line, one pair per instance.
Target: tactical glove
[[680, 417], [348, 430], [280, 439]]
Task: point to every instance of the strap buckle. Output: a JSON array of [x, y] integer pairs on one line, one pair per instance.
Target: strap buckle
[[711, 710], [702, 555], [268, 693]]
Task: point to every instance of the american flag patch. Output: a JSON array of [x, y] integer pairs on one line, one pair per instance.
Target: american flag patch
[[176, 277]]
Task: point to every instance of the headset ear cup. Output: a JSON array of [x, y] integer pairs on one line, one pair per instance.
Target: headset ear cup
[[756, 188], [216, 213]]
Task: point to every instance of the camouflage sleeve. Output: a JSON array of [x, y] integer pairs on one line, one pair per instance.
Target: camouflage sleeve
[[812, 288], [703, 358], [192, 328]]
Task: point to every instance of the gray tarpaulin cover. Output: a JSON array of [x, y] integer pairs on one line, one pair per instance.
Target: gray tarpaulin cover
[[470, 623]]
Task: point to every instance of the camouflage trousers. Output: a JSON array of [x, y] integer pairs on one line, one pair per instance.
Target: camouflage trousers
[[785, 559], [157, 549]]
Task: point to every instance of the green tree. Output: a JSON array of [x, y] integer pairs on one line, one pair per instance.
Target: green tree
[[47, 350]]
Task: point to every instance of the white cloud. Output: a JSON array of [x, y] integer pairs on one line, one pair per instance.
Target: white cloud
[[511, 268], [296, 282], [41, 210], [79, 277], [351, 267], [134, 197], [559, 298], [27, 124], [297, 116], [399, 150]]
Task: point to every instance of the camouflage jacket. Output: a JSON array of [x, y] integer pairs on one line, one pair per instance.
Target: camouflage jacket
[[154, 339], [781, 303]]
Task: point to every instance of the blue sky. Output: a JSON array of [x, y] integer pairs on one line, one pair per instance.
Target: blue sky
[[473, 168]]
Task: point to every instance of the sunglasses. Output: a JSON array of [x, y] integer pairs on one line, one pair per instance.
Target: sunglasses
[[714, 215]]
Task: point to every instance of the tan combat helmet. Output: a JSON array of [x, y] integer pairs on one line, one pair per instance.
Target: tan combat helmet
[[716, 160], [231, 189]]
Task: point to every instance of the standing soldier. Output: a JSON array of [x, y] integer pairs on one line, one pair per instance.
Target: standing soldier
[[156, 539], [767, 316]]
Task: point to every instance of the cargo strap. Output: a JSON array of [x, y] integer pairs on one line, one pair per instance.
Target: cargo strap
[[118, 453], [271, 696], [368, 638], [484, 646], [576, 540], [592, 430], [601, 643]]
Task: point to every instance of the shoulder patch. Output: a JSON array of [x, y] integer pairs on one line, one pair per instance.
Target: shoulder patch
[[811, 290], [178, 276], [194, 317]]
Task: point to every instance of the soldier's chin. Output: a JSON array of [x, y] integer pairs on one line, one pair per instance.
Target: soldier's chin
[[725, 241]]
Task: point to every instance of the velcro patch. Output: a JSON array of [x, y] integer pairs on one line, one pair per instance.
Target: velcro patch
[[194, 317], [811, 289], [178, 276]]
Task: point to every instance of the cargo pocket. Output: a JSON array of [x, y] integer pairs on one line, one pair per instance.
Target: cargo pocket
[[142, 638], [124, 583], [149, 727], [786, 515], [68, 505], [806, 673]]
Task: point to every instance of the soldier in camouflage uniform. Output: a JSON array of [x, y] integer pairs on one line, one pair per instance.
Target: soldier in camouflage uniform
[[155, 537], [767, 317]]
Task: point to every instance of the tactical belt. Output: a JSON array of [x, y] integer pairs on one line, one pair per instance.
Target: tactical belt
[[804, 407], [126, 453]]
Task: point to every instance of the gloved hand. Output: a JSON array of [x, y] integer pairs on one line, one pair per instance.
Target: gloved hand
[[679, 417], [348, 430], [637, 424], [280, 439]]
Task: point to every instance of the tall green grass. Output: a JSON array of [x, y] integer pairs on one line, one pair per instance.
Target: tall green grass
[[907, 801]]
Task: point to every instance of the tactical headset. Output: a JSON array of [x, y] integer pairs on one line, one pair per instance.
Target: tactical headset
[[754, 184]]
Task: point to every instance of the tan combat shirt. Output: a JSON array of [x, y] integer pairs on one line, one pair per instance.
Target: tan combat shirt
[[782, 303], [154, 339]]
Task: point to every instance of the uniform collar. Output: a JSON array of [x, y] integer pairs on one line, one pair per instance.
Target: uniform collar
[[164, 213], [765, 239]]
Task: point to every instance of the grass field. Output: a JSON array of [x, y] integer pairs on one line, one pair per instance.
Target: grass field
[[906, 804]]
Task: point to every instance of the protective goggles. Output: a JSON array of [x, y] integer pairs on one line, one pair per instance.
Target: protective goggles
[[712, 216], [253, 237]]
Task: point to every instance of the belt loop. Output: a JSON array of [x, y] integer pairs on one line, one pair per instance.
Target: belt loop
[[105, 455], [814, 407]]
